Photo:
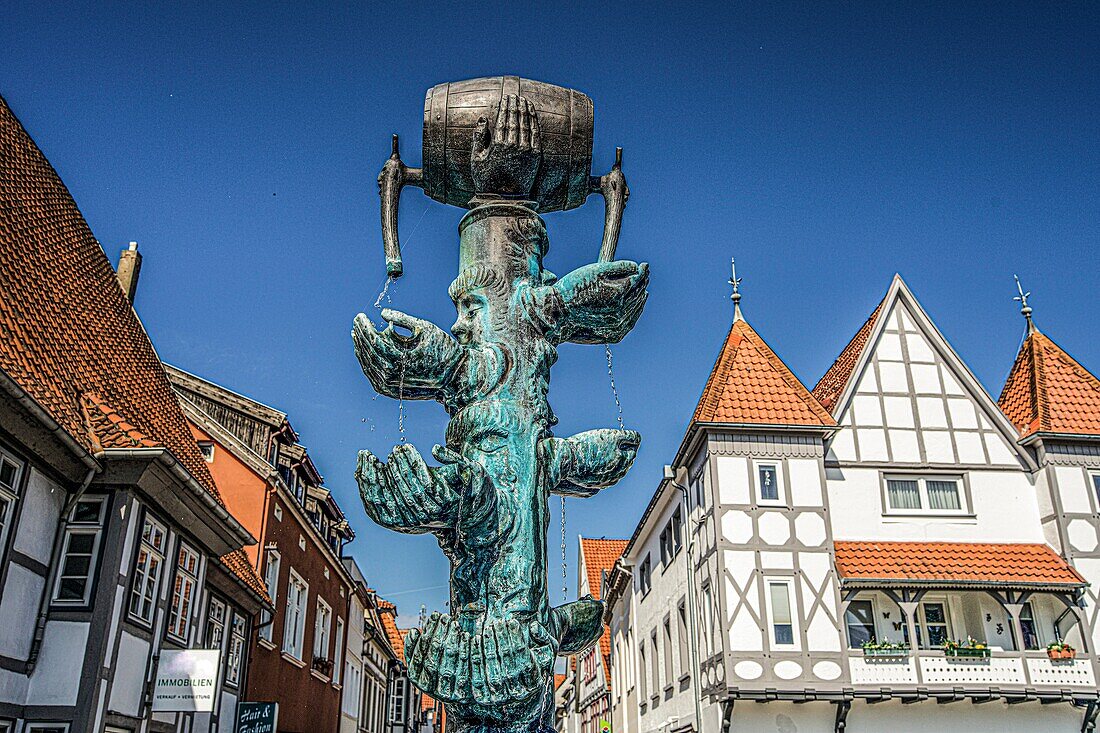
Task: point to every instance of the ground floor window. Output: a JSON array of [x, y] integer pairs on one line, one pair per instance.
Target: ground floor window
[[235, 655], [46, 728]]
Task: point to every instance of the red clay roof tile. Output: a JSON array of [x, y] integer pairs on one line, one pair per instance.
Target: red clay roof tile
[[967, 562], [599, 557], [1049, 391], [749, 384], [832, 384], [68, 335]]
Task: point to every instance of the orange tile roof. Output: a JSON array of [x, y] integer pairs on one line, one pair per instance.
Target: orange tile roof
[[238, 564], [388, 615], [67, 332], [832, 384], [68, 335], [1048, 391], [558, 680], [953, 562], [749, 384], [599, 557]]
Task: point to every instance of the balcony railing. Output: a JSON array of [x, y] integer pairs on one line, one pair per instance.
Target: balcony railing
[[932, 668]]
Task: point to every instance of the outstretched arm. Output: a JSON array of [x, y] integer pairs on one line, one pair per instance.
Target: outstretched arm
[[595, 304], [416, 367], [405, 494], [584, 463]]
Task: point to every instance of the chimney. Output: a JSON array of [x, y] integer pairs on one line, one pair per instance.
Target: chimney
[[129, 267]]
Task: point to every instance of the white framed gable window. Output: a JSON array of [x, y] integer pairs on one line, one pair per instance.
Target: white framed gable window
[[924, 495], [294, 622], [781, 613], [769, 482], [80, 551], [147, 567]]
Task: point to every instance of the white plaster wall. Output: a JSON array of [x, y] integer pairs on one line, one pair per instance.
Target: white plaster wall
[[133, 655], [783, 717], [1073, 489], [13, 687], [1004, 502], [56, 678], [42, 502], [733, 480], [18, 609], [961, 717], [227, 712], [669, 586]]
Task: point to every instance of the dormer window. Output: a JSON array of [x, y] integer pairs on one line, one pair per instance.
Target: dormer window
[[924, 495], [206, 447]]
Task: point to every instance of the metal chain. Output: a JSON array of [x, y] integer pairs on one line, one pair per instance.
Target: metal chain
[[564, 575], [614, 392]]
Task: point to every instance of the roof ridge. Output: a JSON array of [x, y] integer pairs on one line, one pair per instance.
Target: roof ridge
[[761, 346], [836, 377]]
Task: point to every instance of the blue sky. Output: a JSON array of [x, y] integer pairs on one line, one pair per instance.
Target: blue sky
[[825, 145]]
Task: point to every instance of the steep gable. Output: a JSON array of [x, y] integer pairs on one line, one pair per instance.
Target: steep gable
[[749, 385], [1049, 391], [909, 399]]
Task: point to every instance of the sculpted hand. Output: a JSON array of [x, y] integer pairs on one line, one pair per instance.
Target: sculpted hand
[[416, 367], [505, 158], [404, 494]]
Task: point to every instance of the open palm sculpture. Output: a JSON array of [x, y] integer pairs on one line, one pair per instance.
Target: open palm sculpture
[[504, 148]]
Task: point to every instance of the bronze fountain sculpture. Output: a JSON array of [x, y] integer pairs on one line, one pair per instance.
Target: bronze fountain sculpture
[[505, 148]]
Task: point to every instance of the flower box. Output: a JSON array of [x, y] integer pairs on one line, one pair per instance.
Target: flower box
[[881, 652], [1060, 654], [967, 652], [322, 665]]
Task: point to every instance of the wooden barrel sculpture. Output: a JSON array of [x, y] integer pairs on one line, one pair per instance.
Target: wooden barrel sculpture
[[452, 111]]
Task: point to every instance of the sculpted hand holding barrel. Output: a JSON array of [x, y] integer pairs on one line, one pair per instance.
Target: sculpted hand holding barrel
[[491, 660]]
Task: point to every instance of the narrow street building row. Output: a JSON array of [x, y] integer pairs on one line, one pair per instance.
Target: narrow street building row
[[170, 558], [891, 550]]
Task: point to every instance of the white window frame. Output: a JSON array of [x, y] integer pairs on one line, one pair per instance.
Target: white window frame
[[10, 495], [922, 492], [792, 599], [139, 582], [922, 626], [185, 585], [780, 488], [322, 626], [874, 621], [234, 656], [398, 701], [271, 580], [708, 617], [73, 529], [213, 622], [338, 653], [43, 727], [294, 633]]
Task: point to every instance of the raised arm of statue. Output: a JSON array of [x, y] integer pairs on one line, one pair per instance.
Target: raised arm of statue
[[405, 494], [595, 304], [415, 367], [584, 463], [505, 154]]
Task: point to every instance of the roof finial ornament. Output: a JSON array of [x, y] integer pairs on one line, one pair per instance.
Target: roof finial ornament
[[1025, 309], [736, 297]]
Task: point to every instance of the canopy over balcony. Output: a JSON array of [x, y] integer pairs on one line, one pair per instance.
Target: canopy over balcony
[[977, 565]]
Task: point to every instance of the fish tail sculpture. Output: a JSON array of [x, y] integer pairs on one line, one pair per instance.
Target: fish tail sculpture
[[491, 660]]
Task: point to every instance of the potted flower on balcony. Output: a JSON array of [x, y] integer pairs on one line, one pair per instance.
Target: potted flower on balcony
[[970, 649], [1061, 650], [323, 665], [887, 649]]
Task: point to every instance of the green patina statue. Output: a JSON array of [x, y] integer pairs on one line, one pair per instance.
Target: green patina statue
[[492, 659]]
